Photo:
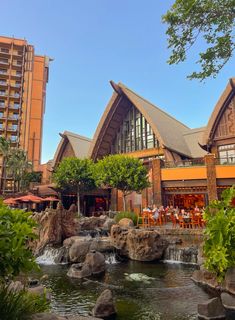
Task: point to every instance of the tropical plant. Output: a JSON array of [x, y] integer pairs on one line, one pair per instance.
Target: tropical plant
[[75, 174], [20, 305], [219, 243], [16, 230], [126, 214], [210, 21], [124, 173]]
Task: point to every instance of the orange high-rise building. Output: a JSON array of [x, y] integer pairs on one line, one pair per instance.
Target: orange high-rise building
[[23, 78]]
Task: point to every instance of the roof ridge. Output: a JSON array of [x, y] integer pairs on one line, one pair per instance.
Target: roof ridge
[[76, 135], [167, 114]]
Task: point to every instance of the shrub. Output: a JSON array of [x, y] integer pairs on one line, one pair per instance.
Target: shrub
[[20, 305], [16, 230], [219, 245], [126, 214]]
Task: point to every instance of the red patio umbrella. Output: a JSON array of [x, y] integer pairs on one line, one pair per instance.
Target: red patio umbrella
[[50, 199], [29, 198], [10, 201]]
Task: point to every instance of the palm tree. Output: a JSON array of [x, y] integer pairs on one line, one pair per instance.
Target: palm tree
[[5, 150]]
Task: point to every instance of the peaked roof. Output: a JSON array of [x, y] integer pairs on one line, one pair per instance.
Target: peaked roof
[[169, 131], [193, 138], [220, 106], [79, 144]]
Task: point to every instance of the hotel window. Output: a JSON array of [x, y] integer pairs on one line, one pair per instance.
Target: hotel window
[[2, 92], [5, 50], [1, 125], [2, 103], [227, 153], [1, 114], [3, 71], [18, 73], [134, 134]]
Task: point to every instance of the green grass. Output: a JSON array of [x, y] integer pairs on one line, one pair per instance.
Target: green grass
[[126, 214]]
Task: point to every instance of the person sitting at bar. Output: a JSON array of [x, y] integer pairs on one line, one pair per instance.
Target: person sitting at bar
[[155, 211]]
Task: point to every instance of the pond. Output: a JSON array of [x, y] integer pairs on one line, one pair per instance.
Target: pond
[[153, 291]]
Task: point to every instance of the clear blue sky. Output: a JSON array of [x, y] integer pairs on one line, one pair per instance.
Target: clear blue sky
[[94, 41]]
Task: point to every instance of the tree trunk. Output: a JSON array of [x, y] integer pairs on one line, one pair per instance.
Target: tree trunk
[[124, 202], [78, 201]]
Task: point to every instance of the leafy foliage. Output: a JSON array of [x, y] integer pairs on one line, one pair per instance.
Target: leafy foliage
[[20, 305], [15, 164], [16, 230], [124, 214], [28, 177], [210, 20], [123, 173], [74, 173], [219, 246]]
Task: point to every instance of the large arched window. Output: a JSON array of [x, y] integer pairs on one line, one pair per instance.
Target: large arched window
[[134, 134]]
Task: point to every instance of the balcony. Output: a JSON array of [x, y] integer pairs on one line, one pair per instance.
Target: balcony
[[3, 73], [3, 94], [13, 117], [184, 163], [17, 75], [15, 96], [14, 107], [16, 85], [12, 129], [2, 105], [4, 52], [3, 83], [230, 161], [5, 63]]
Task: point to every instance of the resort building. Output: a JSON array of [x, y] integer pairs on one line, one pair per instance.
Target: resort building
[[23, 79], [187, 167]]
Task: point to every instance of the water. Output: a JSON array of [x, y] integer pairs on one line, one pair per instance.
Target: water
[[52, 256], [167, 294]]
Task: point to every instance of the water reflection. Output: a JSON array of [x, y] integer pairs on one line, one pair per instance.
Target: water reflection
[[168, 295]]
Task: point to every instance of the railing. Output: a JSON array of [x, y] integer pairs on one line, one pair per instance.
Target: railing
[[15, 96], [183, 163], [225, 161], [4, 83], [3, 94], [3, 72], [4, 62]]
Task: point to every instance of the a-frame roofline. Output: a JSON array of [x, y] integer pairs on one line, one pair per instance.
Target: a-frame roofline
[[79, 144], [220, 106], [167, 129]]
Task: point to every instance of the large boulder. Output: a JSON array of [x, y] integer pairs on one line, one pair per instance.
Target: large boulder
[[92, 223], [211, 309], [228, 300], [79, 250], [54, 227], [80, 246], [108, 224], [94, 264], [126, 223], [206, 279], [104, 306], [229, 280], [137, 244]]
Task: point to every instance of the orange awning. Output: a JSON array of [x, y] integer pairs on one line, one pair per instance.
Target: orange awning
[[50, 199], [10, 201]]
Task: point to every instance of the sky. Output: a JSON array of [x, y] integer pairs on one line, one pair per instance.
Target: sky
[[95, 41]]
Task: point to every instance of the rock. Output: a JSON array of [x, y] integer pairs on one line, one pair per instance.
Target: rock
[[102, 244], [54, 227], [91, 223], [137, 244], [79, 250], [228, 300], [211, 309], [79, 271], [229, 280], [126, 223], [15, 286], [104, 306], [40, 290], [94, 264], [108, 224], [206, 279], [44, 277]]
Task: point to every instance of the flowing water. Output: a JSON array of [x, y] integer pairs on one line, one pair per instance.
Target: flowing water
[[142, 291]]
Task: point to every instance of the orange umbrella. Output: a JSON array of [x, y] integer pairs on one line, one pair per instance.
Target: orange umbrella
[[10, 201], [50, 199], [29, 198]]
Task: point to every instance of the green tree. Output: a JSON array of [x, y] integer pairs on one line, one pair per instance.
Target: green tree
[[16, 230], [5, 149], [213, 22], [75, 174], [124, 173], [219, 244]]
